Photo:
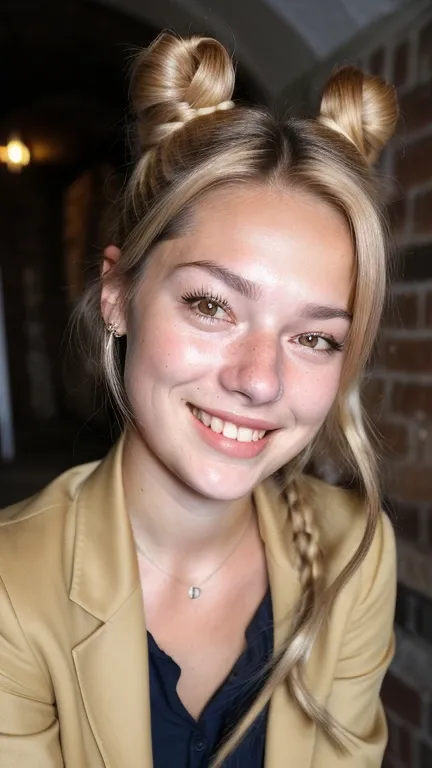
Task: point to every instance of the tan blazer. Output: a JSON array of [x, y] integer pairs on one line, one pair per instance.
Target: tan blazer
[[74, 687]]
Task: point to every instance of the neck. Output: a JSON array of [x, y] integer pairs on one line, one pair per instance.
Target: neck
[[168, 517]]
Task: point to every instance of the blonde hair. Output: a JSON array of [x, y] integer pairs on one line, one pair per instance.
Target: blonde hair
[[188, 144]]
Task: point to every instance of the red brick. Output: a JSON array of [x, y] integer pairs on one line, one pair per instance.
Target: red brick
[[377, 62], [410, 355], [401, 699], [412, 483], [402, 311], [416, 108], [429, 310], [425, 50], [428, 515], [397, 215], [394, 439], [423, 212], [424, 443], [406, 520], [414, 166], [400, 64], [373, 397], [410, 399]]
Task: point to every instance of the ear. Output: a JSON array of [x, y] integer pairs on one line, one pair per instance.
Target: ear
[[111, 294]]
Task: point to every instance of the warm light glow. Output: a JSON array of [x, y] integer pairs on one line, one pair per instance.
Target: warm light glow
[[16, 155]]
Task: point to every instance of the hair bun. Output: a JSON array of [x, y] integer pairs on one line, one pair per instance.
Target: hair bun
[[174, 77], [363, 108]]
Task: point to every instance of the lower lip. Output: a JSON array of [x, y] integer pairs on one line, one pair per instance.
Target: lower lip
[[228, 446]]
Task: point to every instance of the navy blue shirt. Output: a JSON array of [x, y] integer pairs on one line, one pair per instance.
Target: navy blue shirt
[[178, 740]]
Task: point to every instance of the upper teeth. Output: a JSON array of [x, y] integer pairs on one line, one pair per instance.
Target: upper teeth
[[242, 434]]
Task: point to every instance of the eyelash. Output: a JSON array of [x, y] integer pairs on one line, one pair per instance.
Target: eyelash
[[193, 297], [334, 346]]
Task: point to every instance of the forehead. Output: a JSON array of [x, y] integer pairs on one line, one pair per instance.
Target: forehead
[[277, 238]]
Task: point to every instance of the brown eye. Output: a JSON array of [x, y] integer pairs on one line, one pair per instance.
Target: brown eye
[[309, 340], [207, 307]]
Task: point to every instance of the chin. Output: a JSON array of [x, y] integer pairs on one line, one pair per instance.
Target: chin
[[223, 483], [225, 493]]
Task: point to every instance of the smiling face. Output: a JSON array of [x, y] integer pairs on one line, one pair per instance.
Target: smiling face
[[236, 337]]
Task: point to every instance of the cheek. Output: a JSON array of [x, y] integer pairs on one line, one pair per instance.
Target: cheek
[[164, 354], [314, 393]]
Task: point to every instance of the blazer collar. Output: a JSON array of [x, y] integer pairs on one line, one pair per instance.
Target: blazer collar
[[112, 662], [105, 568]]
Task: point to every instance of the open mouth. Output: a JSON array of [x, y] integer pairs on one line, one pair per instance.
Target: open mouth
[[227, 428]]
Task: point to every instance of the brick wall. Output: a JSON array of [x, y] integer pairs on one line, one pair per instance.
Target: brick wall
[[403, 371], [400, 390], [399, 393]]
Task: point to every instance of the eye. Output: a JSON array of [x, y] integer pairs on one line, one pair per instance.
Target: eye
[[319, 343], [208, 307], [312, 341]]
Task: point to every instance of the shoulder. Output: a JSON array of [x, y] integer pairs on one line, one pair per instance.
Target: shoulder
[[341, 517], [34, 530], [53, 498]]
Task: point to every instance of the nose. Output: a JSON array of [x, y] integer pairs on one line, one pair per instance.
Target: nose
[[254, 370]]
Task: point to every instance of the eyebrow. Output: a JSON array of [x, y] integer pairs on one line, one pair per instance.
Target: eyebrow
[[323, 312], [245, 287], [251, 290]]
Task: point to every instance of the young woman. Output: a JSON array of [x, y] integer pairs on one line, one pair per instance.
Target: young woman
[[196, 598]]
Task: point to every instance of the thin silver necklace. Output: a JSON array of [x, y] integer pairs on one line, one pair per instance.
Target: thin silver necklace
[[193, 591]]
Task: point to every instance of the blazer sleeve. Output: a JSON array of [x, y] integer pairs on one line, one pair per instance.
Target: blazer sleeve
[[366, 653], [29, 730]]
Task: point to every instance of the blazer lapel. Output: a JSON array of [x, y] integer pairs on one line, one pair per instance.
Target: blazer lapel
[[112, 663], [113, 675], [289, 736]]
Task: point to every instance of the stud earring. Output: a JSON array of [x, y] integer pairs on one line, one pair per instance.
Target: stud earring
[[112, 330]]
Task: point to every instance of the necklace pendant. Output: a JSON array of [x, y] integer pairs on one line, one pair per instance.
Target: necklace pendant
[[194, 593]]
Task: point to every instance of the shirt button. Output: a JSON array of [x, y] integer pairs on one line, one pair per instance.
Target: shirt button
[[199, 743]]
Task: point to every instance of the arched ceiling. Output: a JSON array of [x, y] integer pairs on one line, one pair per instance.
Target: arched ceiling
[[276, 40], [66, 64]]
